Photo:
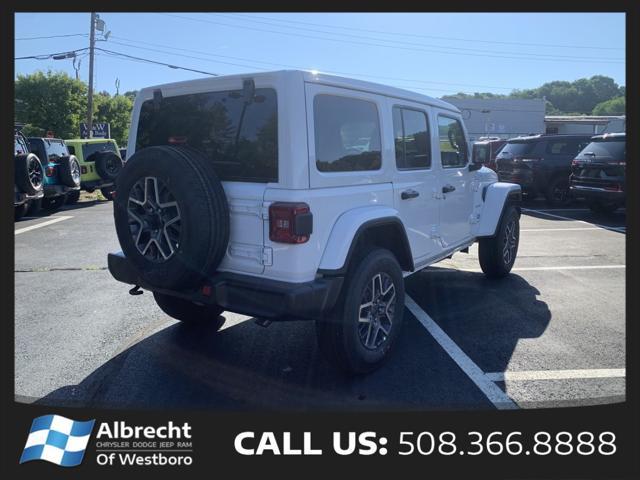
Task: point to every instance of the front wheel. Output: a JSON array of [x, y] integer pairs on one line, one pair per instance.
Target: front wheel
[[359, 334], [558, 193], [498, 253], [189, 312], [107, 193]]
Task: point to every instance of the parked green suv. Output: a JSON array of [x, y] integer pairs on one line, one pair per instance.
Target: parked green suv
[[100, 164]]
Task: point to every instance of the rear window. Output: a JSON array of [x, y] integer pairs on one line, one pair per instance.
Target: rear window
[[89, 149], [607, 149], [239, 138], [55, 149], [518, 148], [347, 134]]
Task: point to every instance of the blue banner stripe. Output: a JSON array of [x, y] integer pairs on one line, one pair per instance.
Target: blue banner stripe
[[31, 453], [80, 429], [57, 439], [41, 423], [71, 459]]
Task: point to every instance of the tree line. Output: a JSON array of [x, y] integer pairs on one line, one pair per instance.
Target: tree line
[[53, 101], [598, 95]]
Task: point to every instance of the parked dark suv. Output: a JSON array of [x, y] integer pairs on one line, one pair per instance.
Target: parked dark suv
[[541, 164], [598, 172]]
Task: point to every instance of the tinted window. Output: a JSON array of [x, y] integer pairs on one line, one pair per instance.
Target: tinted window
[[72, 150], [518, 148], [453, 144], [564, 146], [55, 149], [347, 134], [89, 149], [20, 146], [411, 139], [240, 138], [609, 149]]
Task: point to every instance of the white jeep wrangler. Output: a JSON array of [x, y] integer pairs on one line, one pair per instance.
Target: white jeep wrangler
[[293, 195]]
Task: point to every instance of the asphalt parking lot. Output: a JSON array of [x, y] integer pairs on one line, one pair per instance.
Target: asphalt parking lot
[[551, 334]]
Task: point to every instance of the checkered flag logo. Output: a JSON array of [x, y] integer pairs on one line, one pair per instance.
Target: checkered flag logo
[[57, 440]]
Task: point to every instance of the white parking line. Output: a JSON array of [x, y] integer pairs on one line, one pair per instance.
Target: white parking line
[[495, 395], [556, 374], [43, 224], [576, 229], [553, 215]]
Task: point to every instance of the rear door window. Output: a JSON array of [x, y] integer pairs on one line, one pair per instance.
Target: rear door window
[[347, 134], [239, 137], [570, 146], [411, 132]]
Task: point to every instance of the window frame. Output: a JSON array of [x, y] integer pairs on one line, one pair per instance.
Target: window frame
[[429, 149], [315, 143], [450, 117]]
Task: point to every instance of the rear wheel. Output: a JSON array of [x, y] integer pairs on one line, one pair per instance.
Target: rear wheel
[[359, 334], [107, 192], [498, 253], [20, 211], [558, 193], [53, 204], [189, 312], [72, 197]]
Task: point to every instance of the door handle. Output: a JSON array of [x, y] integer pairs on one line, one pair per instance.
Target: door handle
[[407, 194], [448, 189]]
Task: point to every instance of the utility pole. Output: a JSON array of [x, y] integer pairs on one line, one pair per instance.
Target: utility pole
[[92, 43]]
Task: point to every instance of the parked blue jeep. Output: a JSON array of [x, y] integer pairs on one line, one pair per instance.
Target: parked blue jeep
[[62, 172], [29, 176]]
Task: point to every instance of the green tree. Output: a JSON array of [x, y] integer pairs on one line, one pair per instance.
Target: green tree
[[615, 106], [116, 111], [53, 101]]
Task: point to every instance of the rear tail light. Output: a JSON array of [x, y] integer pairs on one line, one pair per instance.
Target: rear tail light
[[177, 140], [83, 170], [613, 188], [290, 222], [50, 171]]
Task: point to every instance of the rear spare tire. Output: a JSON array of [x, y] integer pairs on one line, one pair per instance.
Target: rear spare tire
[[108, 164], [29, 173], [171, 216], [69, 171]]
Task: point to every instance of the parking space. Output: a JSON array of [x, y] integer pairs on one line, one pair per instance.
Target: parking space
[[550, 334]]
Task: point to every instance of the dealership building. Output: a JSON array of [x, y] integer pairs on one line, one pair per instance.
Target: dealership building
[[508, 118]]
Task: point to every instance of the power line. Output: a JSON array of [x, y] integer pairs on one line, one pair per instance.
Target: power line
[[47, 56], [253, 67], [54, 36], [383, 45], [473, 40], [525, 54], [297, 67], [146, 60]]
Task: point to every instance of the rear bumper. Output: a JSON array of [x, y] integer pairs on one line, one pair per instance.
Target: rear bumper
[[95, 184], [57, 190], [598, 193], [20, 198], [246, 294]]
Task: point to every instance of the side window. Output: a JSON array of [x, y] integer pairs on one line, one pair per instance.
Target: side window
[[347, 134], [412, 144], [453, 144], [565, 147], [72, 150]]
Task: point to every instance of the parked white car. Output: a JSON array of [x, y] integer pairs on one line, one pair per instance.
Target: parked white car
[[292, 195]]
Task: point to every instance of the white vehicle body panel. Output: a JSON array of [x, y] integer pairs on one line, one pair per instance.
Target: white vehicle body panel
[[342, 201]]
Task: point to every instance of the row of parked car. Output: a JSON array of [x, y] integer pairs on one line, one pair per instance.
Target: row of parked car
[[50, 172], [561, 167]]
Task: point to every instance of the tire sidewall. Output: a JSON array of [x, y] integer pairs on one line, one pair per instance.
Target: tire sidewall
[[188, 264], [510, 214], [360, 358]]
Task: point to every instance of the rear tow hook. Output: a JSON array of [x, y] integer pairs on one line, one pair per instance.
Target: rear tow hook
[[136, 290]]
